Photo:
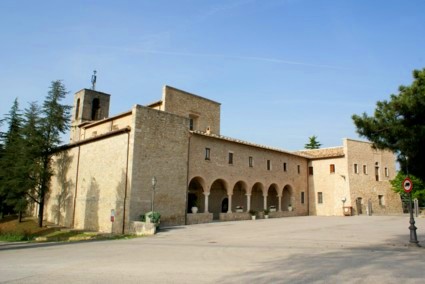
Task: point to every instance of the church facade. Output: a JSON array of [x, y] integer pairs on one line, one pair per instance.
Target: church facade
[[103, 177]]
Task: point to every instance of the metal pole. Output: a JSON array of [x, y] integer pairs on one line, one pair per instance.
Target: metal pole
[[153, 200], [413, 237]]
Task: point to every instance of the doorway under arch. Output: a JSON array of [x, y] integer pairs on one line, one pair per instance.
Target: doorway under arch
[[286, 197], [218, 193], [195, 196], [239, 196]]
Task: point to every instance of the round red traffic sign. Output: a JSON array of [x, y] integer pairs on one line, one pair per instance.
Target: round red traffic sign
[[407, 185]]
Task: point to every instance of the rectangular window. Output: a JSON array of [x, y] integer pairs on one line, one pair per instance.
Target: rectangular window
[[250, 162], [299, 169], [207, 153], [356, 168], [332, 168], [365, 169], [302, 197], [310, 171], [377, 173], [381, 200], [269, 165], [319, 198], [230, 158], [387, 173], [284, 167], [190, 123]]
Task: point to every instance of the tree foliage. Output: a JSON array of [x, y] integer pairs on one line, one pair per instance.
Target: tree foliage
[[399, 125], [26, 154], [418, 190], [313, 143], [54, 121]]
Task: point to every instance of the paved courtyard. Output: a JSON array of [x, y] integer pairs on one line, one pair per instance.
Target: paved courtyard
[[287, 250]]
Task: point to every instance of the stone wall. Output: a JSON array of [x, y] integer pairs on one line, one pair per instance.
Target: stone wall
[[160, 150], [83, 108], [90, 181], [59, 202], [364, 185], [204, 112], [333, 186]]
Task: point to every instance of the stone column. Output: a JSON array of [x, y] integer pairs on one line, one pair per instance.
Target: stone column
[[248, 202], [280, 203], [206, 196], [229, 207], [265, 201]]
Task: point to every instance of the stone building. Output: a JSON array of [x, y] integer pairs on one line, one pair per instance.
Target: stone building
[[103, 176]]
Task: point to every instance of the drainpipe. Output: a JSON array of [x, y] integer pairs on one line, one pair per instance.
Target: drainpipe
[[76, 187], [187, 179], [126, 181], [308, 193]]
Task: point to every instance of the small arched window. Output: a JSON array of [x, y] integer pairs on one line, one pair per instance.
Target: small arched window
[[77, 109], [95, 109]]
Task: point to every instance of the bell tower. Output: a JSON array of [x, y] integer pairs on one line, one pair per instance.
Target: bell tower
[[89, 106]]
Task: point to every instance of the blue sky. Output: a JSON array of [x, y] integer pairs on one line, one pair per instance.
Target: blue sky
[[283, 70]]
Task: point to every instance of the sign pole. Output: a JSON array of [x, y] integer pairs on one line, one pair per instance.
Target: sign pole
[[407, 187], [413, 237]]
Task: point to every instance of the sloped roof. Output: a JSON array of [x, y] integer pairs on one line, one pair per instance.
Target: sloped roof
[[238, 141], [333, 152]]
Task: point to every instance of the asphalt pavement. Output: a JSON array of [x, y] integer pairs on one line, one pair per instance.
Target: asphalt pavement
[[358, 249]]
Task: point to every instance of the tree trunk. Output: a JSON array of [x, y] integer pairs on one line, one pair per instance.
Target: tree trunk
[[20, 217], [40, 212]]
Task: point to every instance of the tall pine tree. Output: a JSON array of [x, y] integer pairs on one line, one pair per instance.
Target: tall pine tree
[[54, 121], [12, 176], [313, 143]]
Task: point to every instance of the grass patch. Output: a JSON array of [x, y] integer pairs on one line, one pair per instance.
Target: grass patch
[[13, 231]]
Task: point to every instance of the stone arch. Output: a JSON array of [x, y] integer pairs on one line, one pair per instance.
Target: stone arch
[[195, 196], [218, 194], [287, 193], [272, 196], [239, 195], [257, 200]]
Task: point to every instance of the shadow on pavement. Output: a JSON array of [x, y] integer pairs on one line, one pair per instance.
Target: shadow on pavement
[[366, 264]]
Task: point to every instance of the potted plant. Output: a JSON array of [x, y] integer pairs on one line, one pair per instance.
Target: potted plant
[[239, 208], [253, 214], [195, 207], [290, 208], [272, 208], [266, 213]]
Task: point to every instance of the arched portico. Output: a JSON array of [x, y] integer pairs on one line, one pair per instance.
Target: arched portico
[[239, 197], [257, 200], [272, 196], [286, 197], [195, 195], [217, 197]]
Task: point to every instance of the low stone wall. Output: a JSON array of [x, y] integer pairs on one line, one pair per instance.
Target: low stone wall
[[142, 228], [234, 216], [282, 214], [199, 218]]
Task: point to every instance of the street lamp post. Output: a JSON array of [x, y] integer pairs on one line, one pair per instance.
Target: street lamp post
[[153, 194]]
